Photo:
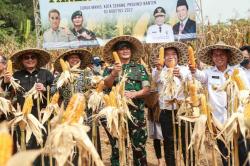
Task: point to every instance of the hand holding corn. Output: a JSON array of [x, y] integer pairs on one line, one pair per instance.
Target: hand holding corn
[[7, 77]]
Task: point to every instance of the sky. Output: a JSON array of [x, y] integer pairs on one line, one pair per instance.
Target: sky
[[225, 9]]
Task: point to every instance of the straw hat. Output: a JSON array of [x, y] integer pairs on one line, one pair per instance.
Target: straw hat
[[205, 54], [43, 57], [137, 48], [182, 51], [85, 57]]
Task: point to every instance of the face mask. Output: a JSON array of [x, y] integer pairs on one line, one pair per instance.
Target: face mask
[[97, 69]]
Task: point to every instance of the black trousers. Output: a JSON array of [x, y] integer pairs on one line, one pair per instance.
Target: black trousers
[[157, 148], [167, 132], [243, 151]]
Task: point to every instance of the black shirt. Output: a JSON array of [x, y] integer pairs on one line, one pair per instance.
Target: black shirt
[[27, 81]]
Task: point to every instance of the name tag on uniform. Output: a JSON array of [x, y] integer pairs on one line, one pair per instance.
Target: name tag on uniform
[[216, 77]]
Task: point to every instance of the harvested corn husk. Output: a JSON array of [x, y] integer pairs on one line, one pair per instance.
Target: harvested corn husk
[[68, 74], [62, 140], [34, 93], [28, 122], [13, 82], [51, 108], [6, 107]]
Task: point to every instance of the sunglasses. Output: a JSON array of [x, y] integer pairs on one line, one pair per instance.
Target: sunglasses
[[54, 18], [29, 57]]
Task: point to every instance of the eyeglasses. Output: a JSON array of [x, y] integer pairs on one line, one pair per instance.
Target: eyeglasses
[[29, 57], [54, 18]]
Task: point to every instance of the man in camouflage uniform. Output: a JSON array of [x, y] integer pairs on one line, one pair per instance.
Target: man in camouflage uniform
[[129, 50]]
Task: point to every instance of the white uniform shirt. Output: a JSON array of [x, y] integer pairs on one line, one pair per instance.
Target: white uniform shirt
[[247, 73], [158, 34], [185, 74], [217, 99]]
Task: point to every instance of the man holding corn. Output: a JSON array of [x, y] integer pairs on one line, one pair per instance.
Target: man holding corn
[[28, 62], [221, 58], [172, 61], [129, 50]]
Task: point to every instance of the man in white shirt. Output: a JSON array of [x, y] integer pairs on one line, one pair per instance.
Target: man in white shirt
[[172, 51], [160, 32], [245, 63], [222, 59]]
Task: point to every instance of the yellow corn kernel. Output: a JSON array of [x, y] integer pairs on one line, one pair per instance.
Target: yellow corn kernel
[[193, 94], [9, 67], [203, 104], [6, 146], [100, 86], [191, 56], [79, 110], [116, 57], [106, 100], [239, 82], [161, 55], [27, 106], [63, 65], [55, 98], [247, 115], [112, 99]]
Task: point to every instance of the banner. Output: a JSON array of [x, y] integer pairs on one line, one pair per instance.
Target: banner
[[81, 23]]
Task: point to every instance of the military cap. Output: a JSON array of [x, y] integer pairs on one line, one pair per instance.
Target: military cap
[[159, 11], [76, 13]]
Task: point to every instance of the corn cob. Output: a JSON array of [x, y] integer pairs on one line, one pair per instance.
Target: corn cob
[[193, 94], [55, 98], [112, 99], [9, 67], [81, 105], [63, 65], [27, 106], [238, 80], [247, 115], [100, 86], [6, 144], [116, 57], [191, 56], [203, 104], [161, 56], [106, 100]]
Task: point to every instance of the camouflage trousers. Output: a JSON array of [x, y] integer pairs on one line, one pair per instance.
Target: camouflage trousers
[[138, 138]]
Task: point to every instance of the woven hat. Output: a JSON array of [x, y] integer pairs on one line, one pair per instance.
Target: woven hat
[[43, 57], [182, 51], [205, 54], [85, 57], [137, 48]]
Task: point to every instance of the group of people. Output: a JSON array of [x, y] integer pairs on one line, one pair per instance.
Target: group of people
[[222, 58], [182, 30]]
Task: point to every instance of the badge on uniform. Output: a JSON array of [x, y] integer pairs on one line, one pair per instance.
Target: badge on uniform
[[216, 77]]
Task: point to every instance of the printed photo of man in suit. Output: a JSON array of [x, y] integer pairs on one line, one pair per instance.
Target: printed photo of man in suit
[[186, 27]]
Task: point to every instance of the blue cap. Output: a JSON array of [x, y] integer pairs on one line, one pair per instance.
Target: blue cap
[[97, 61]]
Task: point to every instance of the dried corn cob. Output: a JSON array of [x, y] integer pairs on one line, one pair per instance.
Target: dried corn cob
[[193, 94], [55, 98], [106, 100], [6, 145], [141, 26], [79, 111], [191, 56], [9, 67], [161, 56], [203, 104], [238, 80], [116, 57], [28, 104], [112, 99], [63, 65], [247, 115]]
